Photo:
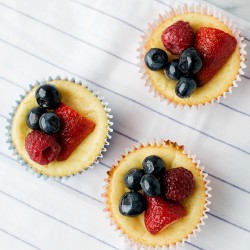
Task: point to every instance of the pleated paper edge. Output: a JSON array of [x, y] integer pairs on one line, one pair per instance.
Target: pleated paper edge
[[24, 163], [187, 238], [182, 9]]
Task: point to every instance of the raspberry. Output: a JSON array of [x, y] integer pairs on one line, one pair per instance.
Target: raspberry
[[42, 148], [178, 37], [74, 128], [178, 184]]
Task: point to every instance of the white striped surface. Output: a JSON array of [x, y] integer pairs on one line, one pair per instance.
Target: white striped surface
[[96, 41]]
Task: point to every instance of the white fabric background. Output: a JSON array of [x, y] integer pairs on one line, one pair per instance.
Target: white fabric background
[[96, 41]]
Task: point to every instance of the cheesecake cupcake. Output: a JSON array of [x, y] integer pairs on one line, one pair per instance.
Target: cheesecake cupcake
[[193, 55], [59, 128], [157, 195]]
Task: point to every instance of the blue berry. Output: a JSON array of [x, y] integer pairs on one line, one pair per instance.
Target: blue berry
[[49, 123], [150, 185], [32, 118], [132, 204], [156, 59], [132, 179], [48, 96], [185, 87], [190, 61], [153, 164], [172, 70]]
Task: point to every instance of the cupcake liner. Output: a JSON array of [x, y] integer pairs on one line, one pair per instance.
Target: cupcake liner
[[14, 108], [188, 237], [182, 9]]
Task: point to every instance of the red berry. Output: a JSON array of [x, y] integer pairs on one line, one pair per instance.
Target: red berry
[[178, 184], [160, 213], [215, 47], [42, 148], [178, 37], [74, 128]]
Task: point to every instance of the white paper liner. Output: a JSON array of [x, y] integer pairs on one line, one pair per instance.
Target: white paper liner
[[182, 9], [190, 236], [14, 108]]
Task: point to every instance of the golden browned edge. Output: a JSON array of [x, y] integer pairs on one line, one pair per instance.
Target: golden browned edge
[[110, 173], [203, 102], [226, 89], [74, 173]]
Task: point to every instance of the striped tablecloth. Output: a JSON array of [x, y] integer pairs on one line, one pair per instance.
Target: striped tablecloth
[[96, 41]]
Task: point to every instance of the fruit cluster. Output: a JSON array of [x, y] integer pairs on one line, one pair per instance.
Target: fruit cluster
[[201, 55], [162, 193], [57, 129], [41, 118]]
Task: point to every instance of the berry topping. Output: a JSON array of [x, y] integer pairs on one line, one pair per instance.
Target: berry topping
[[160, 213], [150, 185], [156, 59], [32, 118], [48, 96], [153, 164], [132, 179], [178, 37], [42, 148], [74, 128], [49, 123], [190, 61], [172, 70], [185, 87], [178, 183], [132, 204], [215, 47]]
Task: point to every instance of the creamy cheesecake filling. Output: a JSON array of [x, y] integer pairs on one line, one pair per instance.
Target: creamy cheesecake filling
[[134, 227], [85, 103], [219, 84]]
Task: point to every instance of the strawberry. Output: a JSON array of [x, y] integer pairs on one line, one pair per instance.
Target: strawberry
[[160, 213], [215, 47], [74, 128]]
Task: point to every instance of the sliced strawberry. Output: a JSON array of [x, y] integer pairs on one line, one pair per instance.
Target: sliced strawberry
[[215, 47], [74, 128], [160, 213]]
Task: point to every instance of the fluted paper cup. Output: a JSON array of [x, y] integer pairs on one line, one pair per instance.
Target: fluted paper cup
[[19, 101], [182, 9], [114, 222]]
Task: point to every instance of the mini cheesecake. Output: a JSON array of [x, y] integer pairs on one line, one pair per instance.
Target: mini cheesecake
[[83, 101], [134, 227], [217, 86]]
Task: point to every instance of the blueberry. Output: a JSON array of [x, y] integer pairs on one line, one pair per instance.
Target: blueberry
[[32, 118], [185, 87], [132, 179], [132, 204], [49, 123], [190, 61], [153, 164], [156, 59], [48, 96], [150, 185], [172, 70]]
